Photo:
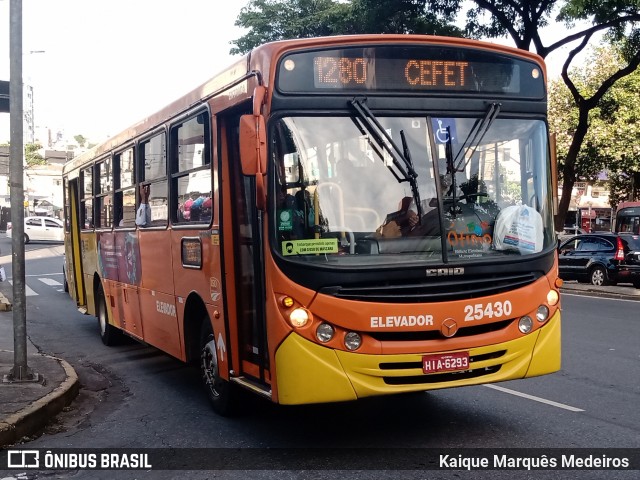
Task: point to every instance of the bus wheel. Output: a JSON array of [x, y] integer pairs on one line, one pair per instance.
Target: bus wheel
[[64, 276], [108, 333], [220, 392]]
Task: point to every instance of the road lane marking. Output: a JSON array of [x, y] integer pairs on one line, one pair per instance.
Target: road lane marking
[[43, 274], [536, 399], [50, 282], [617, 299], [28, 292]]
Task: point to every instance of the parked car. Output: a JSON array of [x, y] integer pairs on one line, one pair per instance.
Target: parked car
[[602, 258], [41, 228]]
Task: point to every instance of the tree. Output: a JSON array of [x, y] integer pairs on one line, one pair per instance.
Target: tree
[[623, 187], [269, 20], [522, 21], [405, 16], [32, 156], [613, 139], [80, 140], [596, 152]]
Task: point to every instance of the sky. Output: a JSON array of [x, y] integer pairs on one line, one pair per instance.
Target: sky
[[108, 64]]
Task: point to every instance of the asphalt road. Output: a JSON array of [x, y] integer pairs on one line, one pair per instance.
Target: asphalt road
[[134, 396]]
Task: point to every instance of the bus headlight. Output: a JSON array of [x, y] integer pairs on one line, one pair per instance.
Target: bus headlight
[[352, 341], [324, 332], [525, 324], [542, 314], [299, 317]]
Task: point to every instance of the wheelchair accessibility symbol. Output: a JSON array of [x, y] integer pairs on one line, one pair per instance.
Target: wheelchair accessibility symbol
[[444, 129]]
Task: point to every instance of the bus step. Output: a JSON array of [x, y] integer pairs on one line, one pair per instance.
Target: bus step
[[255, 387]]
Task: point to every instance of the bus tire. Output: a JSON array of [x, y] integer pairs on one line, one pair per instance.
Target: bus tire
[[108, 333], [220, 392], [64, 276]]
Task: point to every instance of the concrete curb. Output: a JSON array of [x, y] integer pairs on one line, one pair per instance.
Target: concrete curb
[[600, 294], [34, 417], [5, 304]]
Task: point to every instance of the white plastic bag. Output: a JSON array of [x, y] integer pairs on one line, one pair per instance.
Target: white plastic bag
[[519, 227]]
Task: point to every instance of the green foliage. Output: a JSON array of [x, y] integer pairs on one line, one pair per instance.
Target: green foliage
[[612, 141], [405, 16], [623, 187], [519, 20], [80, 139], [522, 21], [585, 102], [270, 20], [32, 156]]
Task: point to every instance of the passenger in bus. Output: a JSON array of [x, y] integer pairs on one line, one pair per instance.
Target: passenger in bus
[[196, 209], [143, 215], [405, 222]]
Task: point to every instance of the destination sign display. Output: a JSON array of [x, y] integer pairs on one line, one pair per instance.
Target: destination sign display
[[427, 68]]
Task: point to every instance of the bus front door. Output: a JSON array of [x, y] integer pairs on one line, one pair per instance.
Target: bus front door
[[73, 269], [248, 312]]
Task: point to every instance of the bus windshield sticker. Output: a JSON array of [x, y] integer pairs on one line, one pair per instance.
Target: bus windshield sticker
[[285, 216], [310, 247]]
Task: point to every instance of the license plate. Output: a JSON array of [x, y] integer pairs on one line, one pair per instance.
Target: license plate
[[445, 362]]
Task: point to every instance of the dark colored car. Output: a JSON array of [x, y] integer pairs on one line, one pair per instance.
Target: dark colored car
[[601, 258]]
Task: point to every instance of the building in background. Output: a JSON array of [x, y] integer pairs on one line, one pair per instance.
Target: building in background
[[589, 208], [42, 185]]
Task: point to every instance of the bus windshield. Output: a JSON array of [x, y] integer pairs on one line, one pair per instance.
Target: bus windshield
[[374, 190]]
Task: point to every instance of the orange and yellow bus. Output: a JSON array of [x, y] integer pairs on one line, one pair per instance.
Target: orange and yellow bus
[[331, 219]]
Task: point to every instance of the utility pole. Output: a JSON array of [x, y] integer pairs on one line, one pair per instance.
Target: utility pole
[[21, 371]]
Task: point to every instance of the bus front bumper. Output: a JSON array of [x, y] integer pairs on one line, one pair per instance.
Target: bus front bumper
[[310, 373]]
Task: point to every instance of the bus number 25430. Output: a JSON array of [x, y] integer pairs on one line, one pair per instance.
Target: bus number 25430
[[490, 310]]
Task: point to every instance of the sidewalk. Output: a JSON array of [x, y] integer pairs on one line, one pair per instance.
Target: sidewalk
[[25, 408], [623, 291]]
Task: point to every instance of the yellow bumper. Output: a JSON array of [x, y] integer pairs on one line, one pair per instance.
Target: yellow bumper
[[310, 373]]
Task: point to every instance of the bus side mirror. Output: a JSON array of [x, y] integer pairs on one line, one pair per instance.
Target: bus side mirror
[[253, 154], [253, 145]]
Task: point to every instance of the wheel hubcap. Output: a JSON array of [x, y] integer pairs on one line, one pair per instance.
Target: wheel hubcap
[[598, 277]]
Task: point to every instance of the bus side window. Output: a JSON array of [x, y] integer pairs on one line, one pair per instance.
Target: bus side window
[[152, 170], [124, 203], [191, 171]]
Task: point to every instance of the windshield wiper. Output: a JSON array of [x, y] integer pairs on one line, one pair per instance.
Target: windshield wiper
[[401, 158], [470, 144], [475, 136]]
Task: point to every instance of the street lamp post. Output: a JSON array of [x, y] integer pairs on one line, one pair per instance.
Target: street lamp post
[[21, 371]]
